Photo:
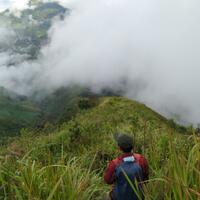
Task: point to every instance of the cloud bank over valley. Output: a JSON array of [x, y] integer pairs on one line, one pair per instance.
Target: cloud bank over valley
[[149, 49]]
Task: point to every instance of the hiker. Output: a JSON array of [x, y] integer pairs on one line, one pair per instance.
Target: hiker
[[125, 171]]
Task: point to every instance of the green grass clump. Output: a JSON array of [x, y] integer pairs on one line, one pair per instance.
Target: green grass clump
[[31, 180], [68, 162]]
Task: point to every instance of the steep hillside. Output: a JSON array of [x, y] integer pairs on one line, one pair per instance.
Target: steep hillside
[[64, 103], [30, 28], [61, 105], [19, 111], [67, 162], [26, 33], [16, 112]]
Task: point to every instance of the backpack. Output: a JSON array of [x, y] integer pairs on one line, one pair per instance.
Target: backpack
[[127, 173]]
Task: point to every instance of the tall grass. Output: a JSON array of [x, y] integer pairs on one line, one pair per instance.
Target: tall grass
[[177, 177], [31, 181]]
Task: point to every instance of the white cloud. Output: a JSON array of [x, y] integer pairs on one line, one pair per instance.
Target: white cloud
[[21, 4], [151, 45], [4, 4], [13, 4]]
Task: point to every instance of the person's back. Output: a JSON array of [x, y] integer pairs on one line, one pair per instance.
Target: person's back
[[126, 172]]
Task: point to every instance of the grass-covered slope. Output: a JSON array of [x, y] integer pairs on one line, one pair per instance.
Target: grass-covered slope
[[67, 163]]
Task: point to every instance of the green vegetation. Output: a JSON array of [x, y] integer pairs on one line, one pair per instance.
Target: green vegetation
[[67, 162], [31, 27], [61, 105], [16, 114]]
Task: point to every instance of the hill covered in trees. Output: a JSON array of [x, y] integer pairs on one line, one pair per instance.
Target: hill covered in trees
[[16, 112], [28, 32], [30, 28]]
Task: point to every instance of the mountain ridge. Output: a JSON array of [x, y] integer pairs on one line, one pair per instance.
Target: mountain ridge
[[72, 157]]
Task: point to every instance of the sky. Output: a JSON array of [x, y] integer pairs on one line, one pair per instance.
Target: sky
[[20, 4], [12, 4]]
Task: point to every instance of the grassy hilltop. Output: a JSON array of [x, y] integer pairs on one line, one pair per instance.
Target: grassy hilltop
[[67, 162]]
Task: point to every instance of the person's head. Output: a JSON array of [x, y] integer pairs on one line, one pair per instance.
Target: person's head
[[125, 143]]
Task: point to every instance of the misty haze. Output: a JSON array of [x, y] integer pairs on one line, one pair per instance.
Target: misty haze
[[152, 45]]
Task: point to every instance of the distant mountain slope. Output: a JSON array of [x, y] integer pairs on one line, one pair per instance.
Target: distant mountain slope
[[63, 104], [31, 27], [27, 33], [16, 112]]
